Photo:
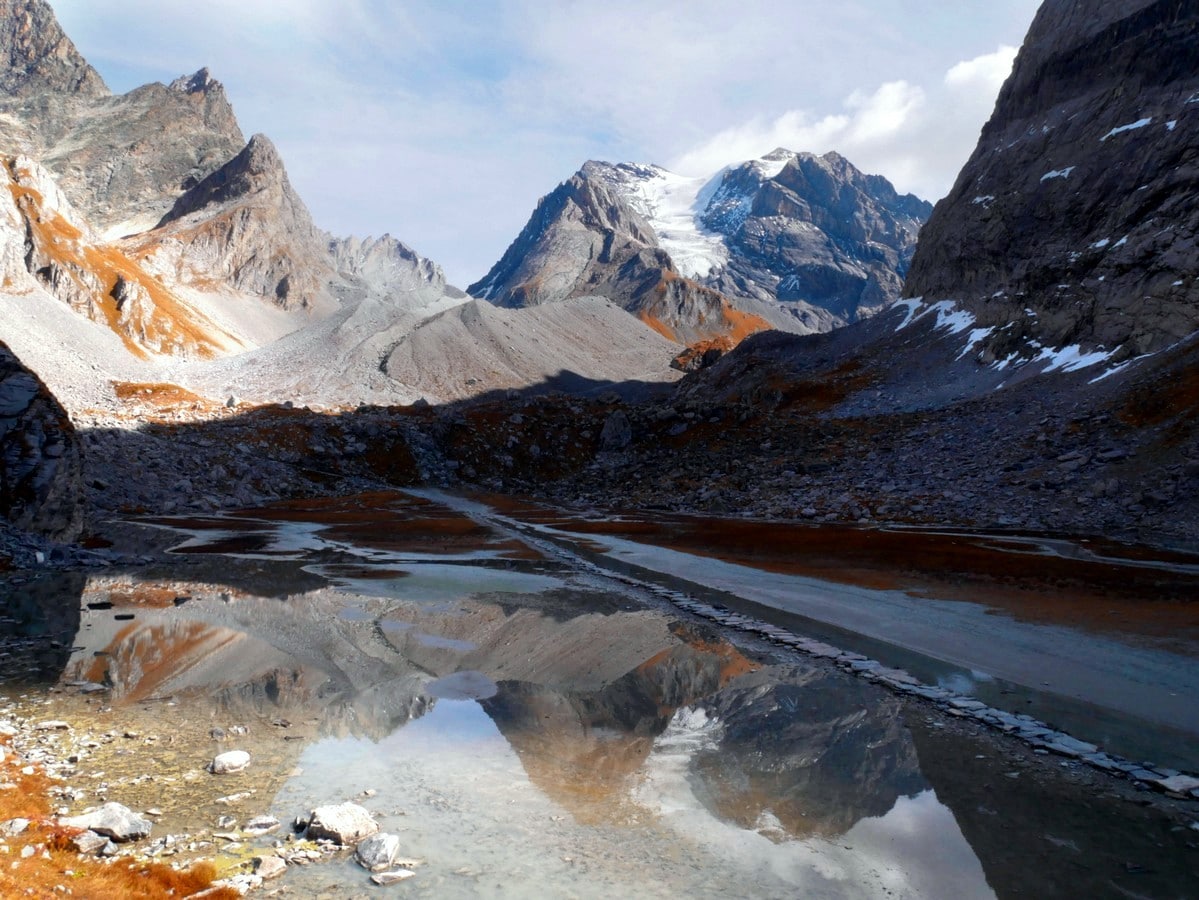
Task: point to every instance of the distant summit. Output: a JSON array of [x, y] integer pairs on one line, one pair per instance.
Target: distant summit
[[790, 240]]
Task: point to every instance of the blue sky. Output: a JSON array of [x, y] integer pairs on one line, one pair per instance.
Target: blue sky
[[442, 122]]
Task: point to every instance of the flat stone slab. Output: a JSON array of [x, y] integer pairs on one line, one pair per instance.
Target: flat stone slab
[[112, 820]]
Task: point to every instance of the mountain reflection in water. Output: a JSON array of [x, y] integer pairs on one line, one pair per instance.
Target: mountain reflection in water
[[521, 722]]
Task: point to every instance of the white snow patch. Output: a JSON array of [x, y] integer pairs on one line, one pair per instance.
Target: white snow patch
[[1100, 244], [1132, 126], [1071, 358], [1177, 284], [1171, 125], [672, 205], [973, 338], [911, 306], [983, 199], [1121, 242], [771, 167], [1058, 173]]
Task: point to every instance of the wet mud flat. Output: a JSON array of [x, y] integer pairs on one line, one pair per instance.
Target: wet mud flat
[[521, 723]]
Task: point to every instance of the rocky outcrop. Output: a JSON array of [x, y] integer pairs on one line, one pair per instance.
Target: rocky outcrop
[[124, 161], [244, 227], [390, 268], [816, 231], [62, 255], [1075, 220], [36, 56], [40, 463], [790, 241]]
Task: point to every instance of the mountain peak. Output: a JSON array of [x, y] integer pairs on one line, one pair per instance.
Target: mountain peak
[[36, 55], [200, 83]]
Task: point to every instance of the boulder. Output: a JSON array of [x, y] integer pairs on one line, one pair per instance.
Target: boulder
[[112, 820], [40, 463], [230, 762], [344, 823], [378, 851]]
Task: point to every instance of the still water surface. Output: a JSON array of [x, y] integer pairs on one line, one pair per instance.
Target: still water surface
[[530, 728]]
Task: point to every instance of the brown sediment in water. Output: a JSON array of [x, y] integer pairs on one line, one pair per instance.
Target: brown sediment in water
[[377, 520], [1107, 591]]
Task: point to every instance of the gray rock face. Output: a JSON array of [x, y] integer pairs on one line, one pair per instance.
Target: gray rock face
[[390, 267], [819, 231], [244, 226], [40, 463], [345, 824], [1075, 220], [35, 54], [124, 160], [791, 240], [114, 821]]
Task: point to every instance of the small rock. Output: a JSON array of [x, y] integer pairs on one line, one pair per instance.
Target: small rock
[[268, 867], [13, 827], [1179, 784], [345, 823], [52, 725], [261, 825], [230, 762], [393, 877], [89, 843], [378, 851]]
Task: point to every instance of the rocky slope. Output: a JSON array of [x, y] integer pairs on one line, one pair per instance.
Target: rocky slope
[[243, 227], [802, 228], [791, 240], [584, 238], [40, 464], [1074, 222]]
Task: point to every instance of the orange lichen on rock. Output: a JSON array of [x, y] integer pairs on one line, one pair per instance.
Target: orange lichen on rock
[[169, 327], [657, 325], [54, 869]]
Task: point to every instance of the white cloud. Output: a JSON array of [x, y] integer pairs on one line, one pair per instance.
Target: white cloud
[[918, 137], [984, 73], [443, 123]]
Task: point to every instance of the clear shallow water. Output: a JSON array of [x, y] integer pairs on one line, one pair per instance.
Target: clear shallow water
[[532, 731]]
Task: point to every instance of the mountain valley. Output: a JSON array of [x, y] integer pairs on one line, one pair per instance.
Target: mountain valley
[[687, 431]]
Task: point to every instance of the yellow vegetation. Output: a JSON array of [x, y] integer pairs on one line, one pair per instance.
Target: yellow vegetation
[[54, 866]]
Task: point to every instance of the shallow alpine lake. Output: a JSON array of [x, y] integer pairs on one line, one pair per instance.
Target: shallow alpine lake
[[489, 681]]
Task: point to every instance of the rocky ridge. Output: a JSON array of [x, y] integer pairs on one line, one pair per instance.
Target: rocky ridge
[[1073, 223], [792, 241]]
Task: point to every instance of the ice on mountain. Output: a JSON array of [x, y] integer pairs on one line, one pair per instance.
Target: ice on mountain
[[1132, 126], [1058, 173]]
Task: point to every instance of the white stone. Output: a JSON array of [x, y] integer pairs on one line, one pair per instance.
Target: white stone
[[392, 877], [345, 823], [230, 762]]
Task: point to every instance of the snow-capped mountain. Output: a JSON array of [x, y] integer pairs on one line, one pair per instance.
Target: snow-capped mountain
[[794, 240]]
